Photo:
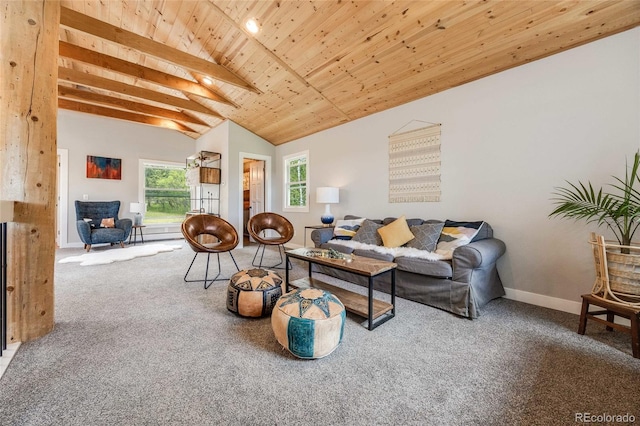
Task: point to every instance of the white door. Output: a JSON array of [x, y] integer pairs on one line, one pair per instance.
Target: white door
[[58, 231], [62, 198], [256, 188]]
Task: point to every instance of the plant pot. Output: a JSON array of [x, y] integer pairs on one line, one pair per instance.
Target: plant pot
[[617, 273]]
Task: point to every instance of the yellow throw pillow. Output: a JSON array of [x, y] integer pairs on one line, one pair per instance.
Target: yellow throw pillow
[[108, 223], [396, 234]]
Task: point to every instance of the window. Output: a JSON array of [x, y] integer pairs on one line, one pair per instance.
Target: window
[[296, 182], [166, 194]]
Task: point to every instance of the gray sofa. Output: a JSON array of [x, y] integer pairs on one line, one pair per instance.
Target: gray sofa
[[461, 285]]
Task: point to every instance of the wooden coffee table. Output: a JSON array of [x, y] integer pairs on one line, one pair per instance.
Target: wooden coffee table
[[365, 306]]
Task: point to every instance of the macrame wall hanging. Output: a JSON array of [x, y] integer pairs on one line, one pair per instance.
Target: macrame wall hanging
[[414, 165]]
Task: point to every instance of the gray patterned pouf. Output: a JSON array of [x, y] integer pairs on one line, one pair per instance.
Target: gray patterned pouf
[[254, 292]]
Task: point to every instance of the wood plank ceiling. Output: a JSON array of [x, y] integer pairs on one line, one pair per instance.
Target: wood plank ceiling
[[313, 64]]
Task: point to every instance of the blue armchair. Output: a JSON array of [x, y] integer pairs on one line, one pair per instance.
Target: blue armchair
[[89, 215]]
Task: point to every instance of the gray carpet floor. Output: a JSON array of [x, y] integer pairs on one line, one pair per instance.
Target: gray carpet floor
[[134, 345]]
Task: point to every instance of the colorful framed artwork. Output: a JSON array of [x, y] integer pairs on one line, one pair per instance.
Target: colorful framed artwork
[[104, 167]]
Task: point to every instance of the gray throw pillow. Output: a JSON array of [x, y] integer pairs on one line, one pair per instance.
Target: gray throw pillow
[[368, 233], [426, 236]]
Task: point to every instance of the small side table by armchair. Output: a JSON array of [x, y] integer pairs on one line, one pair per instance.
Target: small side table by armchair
[[134, 232]]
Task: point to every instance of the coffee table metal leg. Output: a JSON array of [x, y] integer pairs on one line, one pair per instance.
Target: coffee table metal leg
[[370, 303], [386, 317], [286, 279], [393, 291]]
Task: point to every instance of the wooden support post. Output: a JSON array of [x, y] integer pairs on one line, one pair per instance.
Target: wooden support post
[[28, 156]]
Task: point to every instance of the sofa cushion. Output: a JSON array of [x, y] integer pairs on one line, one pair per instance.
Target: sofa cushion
[[346, 229], [396, 233], [373, 255], [337, 247], [484, 232], [107, 235], [352, 217], [410, 222], [456, 234], [426, 236], [433, 268], [368, 233]]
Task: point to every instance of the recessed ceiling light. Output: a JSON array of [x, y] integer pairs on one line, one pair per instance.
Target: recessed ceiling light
[[252, 26], [207, 81]]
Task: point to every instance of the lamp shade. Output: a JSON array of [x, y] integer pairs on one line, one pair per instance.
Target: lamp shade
[[327, 195], [135, 207]]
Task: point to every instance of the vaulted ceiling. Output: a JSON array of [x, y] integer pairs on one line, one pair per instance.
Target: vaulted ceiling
[[312, 65]]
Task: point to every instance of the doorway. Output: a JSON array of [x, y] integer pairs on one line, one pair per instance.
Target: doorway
[[62, 198], [254, 189]]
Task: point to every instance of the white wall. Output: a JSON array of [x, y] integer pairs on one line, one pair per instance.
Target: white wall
[[232, 141], [84, 134], [507, 140]]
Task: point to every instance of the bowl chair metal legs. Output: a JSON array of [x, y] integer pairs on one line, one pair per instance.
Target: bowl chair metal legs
[[206, 281], [259, 227], [277, 265], [196, 228]]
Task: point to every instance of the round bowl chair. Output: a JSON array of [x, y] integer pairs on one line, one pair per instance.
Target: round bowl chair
[[258, 226], [197, 230]]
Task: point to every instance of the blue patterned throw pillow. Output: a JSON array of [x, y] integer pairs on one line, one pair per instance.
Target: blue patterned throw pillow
[[346, 229]]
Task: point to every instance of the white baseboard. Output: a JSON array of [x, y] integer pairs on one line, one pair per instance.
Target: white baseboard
[[73, 245], [7, 356], [164, 236], [147, 238], [558, 304]]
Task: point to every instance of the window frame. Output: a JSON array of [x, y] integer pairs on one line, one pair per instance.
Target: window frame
[[286, 183], [142, 187]]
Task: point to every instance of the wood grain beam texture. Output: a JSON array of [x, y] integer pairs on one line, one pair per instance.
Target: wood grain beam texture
[[28, 162], [72, 19], [122, 115], [85, 79], [81, 54], [111, 101]]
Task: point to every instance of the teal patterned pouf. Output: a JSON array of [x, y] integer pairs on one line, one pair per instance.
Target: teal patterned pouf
[[309, 322]]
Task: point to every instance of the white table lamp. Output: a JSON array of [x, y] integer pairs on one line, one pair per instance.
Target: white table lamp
[[137, 209], [327, 195]]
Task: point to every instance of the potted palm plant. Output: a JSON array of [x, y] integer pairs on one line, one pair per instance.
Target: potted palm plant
[[619, 211], [617, 265]]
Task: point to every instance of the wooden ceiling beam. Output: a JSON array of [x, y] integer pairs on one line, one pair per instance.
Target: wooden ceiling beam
[[122, 115], [85, 79], [81, 54], [98, 98], [71, 19]]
